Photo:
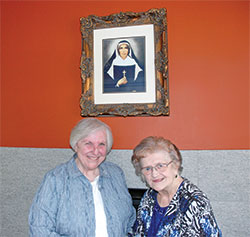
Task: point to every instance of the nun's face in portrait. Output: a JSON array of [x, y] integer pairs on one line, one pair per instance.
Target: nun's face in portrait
[[123, 51]]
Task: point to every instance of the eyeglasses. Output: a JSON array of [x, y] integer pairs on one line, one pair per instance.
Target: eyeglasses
[[160, 167]]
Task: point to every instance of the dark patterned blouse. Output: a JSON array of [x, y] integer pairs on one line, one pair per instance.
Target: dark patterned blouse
[[189, 214]]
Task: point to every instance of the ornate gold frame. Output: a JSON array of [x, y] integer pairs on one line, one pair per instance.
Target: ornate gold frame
[[157, 17]]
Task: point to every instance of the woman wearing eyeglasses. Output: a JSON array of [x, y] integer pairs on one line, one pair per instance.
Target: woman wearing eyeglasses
[[172, 206]]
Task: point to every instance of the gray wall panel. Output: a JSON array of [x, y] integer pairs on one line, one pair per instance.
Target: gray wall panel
[[223, 175]]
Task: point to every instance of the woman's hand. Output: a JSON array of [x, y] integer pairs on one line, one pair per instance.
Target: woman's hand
[[122, 81]]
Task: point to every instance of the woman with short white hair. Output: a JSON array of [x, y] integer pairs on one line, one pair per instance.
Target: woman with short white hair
[[86, 196]]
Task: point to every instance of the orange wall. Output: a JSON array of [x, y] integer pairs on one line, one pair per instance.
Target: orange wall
[[208, 74]]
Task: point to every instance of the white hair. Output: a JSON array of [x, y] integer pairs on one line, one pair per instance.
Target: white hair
[[87, 126]]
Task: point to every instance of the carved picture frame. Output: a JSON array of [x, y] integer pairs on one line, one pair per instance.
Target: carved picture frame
[[144, 32]]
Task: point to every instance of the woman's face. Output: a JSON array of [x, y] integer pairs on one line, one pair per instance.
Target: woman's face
[[123, 51], [159, 180], [91, 151]]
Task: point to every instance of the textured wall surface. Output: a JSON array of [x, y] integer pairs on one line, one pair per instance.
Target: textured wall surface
[[222, 174]]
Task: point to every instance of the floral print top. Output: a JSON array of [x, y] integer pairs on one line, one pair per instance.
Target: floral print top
[[188, 214]]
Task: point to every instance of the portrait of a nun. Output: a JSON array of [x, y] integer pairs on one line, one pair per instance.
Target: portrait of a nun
[[123, 72]]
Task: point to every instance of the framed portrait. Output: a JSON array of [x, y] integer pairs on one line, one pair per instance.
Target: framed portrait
[[124, 64]]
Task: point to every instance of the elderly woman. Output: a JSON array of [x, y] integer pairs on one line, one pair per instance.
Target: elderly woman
[[172, 206], [122, 73], [87, 196]]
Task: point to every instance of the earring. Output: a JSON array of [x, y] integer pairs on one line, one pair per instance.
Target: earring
[[176, 176]]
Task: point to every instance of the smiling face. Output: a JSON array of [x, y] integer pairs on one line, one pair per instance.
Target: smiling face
[[160, 180], [91, 152], [123, 51]]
